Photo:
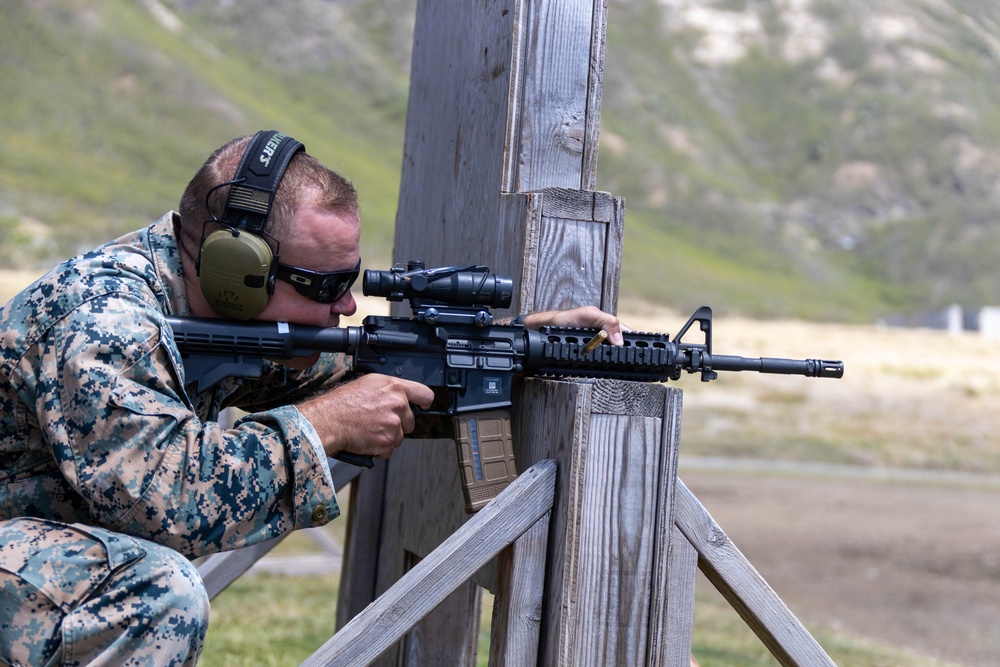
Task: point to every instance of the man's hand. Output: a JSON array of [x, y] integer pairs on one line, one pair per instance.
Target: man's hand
[[587, 317], [369, 416]]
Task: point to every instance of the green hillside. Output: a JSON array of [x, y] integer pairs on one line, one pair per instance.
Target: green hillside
[[828, 158], [823, 159], [111, 107]]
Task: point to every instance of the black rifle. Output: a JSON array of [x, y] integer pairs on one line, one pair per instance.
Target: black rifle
[[452, 344]]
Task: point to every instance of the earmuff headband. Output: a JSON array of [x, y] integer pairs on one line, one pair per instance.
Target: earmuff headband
[[259, 172]]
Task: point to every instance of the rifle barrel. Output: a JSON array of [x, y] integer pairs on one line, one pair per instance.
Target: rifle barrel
[[816, 368]]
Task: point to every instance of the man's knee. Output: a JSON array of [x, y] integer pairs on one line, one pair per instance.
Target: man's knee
[[109, 597], [168, 585], [157, 609]]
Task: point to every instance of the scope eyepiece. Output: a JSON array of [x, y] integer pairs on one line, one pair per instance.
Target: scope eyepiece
[[451, 285]]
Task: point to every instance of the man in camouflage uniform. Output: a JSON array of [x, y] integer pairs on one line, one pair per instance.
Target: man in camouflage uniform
[[113, 475]]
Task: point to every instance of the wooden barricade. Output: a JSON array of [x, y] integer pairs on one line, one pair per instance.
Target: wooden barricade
[[499, 168]]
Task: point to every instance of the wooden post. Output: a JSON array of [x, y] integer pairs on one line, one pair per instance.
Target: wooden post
[[505, 100], [499, 168], [616, 444], [743, 587]]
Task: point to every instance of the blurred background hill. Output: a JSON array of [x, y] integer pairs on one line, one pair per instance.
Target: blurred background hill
[[832, 160]]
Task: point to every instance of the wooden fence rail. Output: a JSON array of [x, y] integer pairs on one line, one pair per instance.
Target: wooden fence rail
[[521, 508], [743, 587]]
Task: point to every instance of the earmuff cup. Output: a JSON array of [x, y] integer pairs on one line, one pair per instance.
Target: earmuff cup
[[236, 273]]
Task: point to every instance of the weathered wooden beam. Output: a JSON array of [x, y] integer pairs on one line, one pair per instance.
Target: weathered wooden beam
[[672, 590], [673, 622], [517, 609], [498, 164], [616, 447], [359, 570], [435, 577], [555, 94], [743, 587], [572, 249]]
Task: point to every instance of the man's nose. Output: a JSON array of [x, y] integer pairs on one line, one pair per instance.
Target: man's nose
[[345, 305]]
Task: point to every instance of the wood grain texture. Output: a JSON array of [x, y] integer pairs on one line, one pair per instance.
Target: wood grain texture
[[450, 209], [559, 93], [359, 571], [611, 502], [517, 609], [499, 161], [424, 506], [672, 578]]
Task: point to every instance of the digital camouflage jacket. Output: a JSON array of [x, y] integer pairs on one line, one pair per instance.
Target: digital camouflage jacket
[[97, 428]]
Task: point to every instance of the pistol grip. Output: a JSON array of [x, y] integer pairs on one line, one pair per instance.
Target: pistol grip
[[355, 459], [485, 455]]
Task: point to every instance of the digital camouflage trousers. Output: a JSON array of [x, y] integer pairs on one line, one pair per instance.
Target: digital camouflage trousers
[[77, 595]]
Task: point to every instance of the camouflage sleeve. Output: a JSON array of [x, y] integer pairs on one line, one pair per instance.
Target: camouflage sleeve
[[128, 440], [280, 385]]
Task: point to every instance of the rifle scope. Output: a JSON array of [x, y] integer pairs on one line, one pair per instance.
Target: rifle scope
[[451, 285]]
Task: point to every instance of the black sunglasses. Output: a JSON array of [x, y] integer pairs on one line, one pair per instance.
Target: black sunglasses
[[318, 286]]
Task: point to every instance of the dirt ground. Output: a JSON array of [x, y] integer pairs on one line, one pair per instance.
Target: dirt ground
[[912, 559]]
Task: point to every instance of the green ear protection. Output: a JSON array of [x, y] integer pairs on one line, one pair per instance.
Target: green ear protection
[[236, 266]]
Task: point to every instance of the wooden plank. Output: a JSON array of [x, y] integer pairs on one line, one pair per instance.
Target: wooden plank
[[359, 572], [670, 644], [559, 94], [579, 234], [605, 436], [387, 619], [549, 422], [595, 85], [530, 223], [573, 278], [743, 587], [517, 610], [519, 52], [613, 257], [578, 204], [611, 555], [449, 208], [675, 560]]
